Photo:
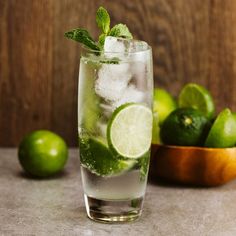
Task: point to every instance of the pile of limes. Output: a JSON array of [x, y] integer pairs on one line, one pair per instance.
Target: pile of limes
[[191, 120]]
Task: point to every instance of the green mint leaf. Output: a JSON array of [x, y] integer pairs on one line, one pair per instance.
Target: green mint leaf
[[120, 30], [82, 36], [101, 39], [144, 164], [103, 20]]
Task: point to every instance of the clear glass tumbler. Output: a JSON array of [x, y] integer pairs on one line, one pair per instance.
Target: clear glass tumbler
[[115, 126]]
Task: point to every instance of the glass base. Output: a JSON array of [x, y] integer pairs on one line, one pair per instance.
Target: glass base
[[113, 211]]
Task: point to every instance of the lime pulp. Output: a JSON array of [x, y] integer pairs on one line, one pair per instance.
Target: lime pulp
[[197, 97], [129, 130]]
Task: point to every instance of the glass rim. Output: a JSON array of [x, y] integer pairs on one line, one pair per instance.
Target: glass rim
[[97, 52]]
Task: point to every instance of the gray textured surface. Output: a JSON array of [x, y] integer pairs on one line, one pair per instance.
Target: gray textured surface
[[56, 207]]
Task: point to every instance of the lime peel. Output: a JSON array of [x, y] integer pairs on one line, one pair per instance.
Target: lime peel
[[223, 131]]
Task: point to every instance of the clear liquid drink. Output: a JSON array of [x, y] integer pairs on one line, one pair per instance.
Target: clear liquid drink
[[115, 126]]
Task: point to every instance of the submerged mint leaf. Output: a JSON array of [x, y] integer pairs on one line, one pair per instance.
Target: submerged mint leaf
[[144, 165], [113, 60], [82, 36], [103, 20], [120, 30]]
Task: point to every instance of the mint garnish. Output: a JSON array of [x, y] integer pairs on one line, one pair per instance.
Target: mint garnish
[[101, 39], [82, 36], [120, 30], [103, 20]]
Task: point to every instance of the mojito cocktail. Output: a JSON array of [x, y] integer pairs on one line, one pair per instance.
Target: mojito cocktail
[[115, 127]]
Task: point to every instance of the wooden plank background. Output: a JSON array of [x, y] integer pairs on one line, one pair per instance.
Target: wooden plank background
[[192, 40]]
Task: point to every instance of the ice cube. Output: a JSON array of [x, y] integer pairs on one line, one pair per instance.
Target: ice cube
[[115, 70], [112, 81], [137, 46], [116, 45], [131, 94], [109, 90], [139, 75], [107, 109], [138, 51], [121, 48], [121, 45], [102, 129]]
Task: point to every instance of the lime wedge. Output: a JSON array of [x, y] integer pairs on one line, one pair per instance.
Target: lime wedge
[[223, 131], [95, 155], [197, 97], [129, 130]]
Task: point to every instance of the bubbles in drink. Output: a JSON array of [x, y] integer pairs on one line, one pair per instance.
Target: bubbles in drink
[[120, 75]]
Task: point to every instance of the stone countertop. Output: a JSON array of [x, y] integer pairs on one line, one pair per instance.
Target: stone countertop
[[56, 207]]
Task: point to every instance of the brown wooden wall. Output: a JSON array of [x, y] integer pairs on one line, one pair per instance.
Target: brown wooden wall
[[192, 40]]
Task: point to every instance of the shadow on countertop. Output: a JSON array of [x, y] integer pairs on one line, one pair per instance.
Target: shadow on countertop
[[170, 184], [25, 175]]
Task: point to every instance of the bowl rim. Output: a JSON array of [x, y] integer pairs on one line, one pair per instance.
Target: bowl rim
[[192, 147]]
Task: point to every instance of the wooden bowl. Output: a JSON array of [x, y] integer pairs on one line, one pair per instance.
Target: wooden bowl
[[193, 165]]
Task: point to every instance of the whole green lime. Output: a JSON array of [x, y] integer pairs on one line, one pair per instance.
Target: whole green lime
[[42, 153], [185, 127], [223, 131]]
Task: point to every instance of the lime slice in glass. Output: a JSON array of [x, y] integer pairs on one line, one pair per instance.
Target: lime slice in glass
[[96, 156], [196, 96], [223, 131], [129, 130]]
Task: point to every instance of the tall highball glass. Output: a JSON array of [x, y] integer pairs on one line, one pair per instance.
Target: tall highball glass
[[115, 127]]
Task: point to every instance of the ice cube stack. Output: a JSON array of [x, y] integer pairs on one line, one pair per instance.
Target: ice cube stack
[[124, 82]]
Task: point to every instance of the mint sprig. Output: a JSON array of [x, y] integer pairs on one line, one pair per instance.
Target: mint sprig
[[120, 30], [103, 20], [82, 36]]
